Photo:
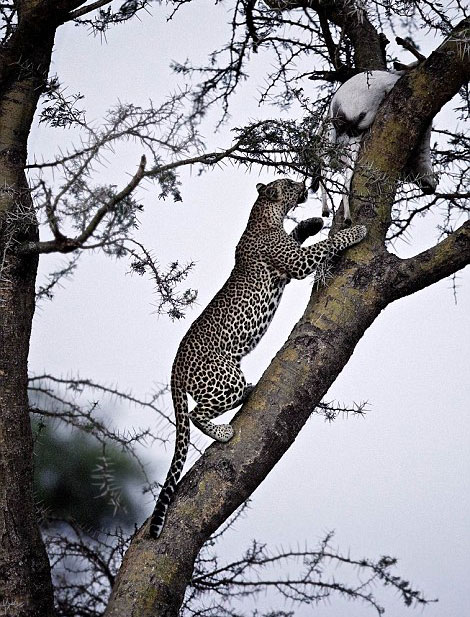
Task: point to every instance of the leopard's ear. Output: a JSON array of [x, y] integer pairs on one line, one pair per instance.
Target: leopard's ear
[[268, 191], [271, 193]]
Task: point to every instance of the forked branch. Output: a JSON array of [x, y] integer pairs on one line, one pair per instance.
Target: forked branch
[[63, 244]]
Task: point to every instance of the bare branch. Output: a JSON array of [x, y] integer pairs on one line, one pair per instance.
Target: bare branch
[[84, 566], [438, 262], [308, 580], [56, 277], [170, 303], [105, 18], [333, 49], [88, 8], [62, 244], [250, 23], [126, 191], [352, 17]]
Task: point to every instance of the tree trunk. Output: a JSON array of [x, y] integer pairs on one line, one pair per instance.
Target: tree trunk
[[155, 574], [25, 583]]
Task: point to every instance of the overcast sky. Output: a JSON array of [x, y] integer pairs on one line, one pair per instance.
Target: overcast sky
[[395, 482]]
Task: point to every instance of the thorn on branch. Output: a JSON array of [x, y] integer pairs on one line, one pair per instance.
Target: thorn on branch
[[62, 244], [331, 410]]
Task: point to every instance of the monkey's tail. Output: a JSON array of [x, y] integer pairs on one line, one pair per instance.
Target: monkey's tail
[[180, 404]]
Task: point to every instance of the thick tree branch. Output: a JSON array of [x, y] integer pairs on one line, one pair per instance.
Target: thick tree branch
[[225, 476], [352, 18], [438, 262]]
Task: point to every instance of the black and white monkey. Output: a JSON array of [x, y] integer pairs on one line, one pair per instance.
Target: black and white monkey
[[352, 110]]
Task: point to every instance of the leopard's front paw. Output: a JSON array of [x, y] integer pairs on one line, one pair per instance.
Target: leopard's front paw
[[358, 232]]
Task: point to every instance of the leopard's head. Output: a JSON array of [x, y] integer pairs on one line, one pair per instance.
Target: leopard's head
[[283, 194]]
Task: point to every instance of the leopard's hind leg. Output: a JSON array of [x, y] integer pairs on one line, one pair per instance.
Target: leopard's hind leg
[[223, 388]]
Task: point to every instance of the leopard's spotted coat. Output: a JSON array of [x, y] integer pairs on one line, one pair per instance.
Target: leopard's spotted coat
[[207, 363]]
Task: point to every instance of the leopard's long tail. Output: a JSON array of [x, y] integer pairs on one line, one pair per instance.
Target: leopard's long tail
[[180, 404]]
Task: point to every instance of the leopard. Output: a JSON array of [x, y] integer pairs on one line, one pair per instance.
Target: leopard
[[207, 362]]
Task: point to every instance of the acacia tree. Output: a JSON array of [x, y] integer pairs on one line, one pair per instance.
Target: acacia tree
[[340, 38]]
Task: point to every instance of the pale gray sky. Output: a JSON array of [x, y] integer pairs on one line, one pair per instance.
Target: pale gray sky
[[395, 482]]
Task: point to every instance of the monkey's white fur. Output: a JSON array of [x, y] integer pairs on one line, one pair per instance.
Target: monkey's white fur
[[352, 111]]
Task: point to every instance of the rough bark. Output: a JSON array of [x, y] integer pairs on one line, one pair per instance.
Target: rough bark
[[25, 584], [25, 587], [155, 574]]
